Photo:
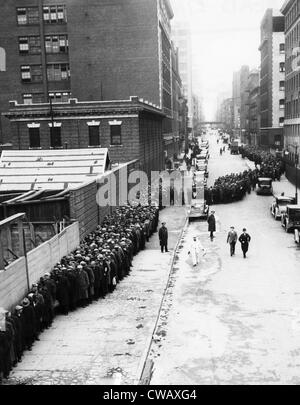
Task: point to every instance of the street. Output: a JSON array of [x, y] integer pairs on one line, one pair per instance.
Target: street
[[234, 321]]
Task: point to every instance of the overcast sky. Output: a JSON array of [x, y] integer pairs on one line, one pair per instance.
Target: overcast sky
[[225, 35]]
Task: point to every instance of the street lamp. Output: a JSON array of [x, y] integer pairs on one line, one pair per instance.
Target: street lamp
[[296, 168]]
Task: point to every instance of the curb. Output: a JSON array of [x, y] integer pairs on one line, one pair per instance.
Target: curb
[[145, 368]]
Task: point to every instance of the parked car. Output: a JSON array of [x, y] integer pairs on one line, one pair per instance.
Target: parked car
[[264, 186], [199, 210], [204, 145], [278, 207], [290, 220], [201, 166], [235, 147], [203, 156]]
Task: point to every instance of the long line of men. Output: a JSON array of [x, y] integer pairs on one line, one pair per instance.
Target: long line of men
[[234, 187], [231, 188], [269, 165], [89, 273]]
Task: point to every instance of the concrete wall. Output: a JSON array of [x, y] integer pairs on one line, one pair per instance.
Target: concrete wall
[[13, 281], [83, 200]]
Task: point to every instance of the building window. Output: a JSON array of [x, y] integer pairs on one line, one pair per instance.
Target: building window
[[25, 74], [56, 44], [27, 98], [31, 74], [282, 48], [281, 104], [282, 67], [115, 134], [23, 45], [30, 45], [94, 134], [281, 121], [55, 135], [55, 14], [34, 137], [58, 72], [281, 85], [60, 97], [27, 15], [33, 98]]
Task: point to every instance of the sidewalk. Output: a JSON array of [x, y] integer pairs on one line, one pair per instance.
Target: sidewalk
[[103, 343]]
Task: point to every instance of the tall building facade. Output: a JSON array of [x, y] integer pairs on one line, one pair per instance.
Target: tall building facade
[[253, 118], [226, 115], [90, 50], [236, 99], [240, 98], [35, 37], [291, 12], [272, 81], [182, 39]]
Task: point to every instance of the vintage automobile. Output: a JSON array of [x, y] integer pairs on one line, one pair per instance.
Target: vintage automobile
[[204, 155], [204, 145], [278, 207], [199, 210], [264, 186], [201, 166], [291, 220]]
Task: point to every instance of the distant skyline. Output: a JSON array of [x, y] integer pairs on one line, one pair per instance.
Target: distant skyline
[[225, 36]]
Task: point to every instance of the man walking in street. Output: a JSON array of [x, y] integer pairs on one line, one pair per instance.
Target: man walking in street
[[163, 238], [196, 247], [212, 225], [232, 239], [245, 239]]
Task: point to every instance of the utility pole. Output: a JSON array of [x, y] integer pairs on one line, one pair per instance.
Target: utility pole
[[52, 120]]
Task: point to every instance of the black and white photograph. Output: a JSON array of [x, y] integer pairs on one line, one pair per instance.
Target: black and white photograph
[[149, 195]]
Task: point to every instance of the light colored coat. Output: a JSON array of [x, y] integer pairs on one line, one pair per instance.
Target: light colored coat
[[196, 250]]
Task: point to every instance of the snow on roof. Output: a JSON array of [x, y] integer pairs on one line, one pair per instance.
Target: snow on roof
[[51, 169]]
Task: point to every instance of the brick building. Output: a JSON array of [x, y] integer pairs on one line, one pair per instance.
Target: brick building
[[129, 129], [253, 116], [240, 100], [90, 50], [272, 80], [225, 114]]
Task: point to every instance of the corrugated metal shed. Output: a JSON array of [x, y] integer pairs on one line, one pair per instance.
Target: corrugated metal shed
[[55, 169]]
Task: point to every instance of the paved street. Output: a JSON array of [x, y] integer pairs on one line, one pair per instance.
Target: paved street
[[234, 321], [105, 342]]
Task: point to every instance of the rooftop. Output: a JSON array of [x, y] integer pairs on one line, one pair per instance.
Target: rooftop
[[55, 169], [73, 107]]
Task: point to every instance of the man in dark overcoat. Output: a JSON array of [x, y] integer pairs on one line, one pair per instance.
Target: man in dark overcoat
[[163, 237], [211, 224], [245, 239]]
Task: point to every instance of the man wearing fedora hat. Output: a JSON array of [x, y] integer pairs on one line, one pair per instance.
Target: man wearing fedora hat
[[163, 238], [212, 225], [245, 239]]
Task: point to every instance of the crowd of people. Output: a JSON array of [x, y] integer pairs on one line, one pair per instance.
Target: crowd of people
[[230, 188], [88, 274], [268, 165], [233, 187]]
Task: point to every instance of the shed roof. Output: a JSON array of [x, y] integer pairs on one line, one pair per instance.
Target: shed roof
[[51, 169]]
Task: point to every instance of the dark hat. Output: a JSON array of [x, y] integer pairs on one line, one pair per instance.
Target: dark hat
[[25, 302]]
